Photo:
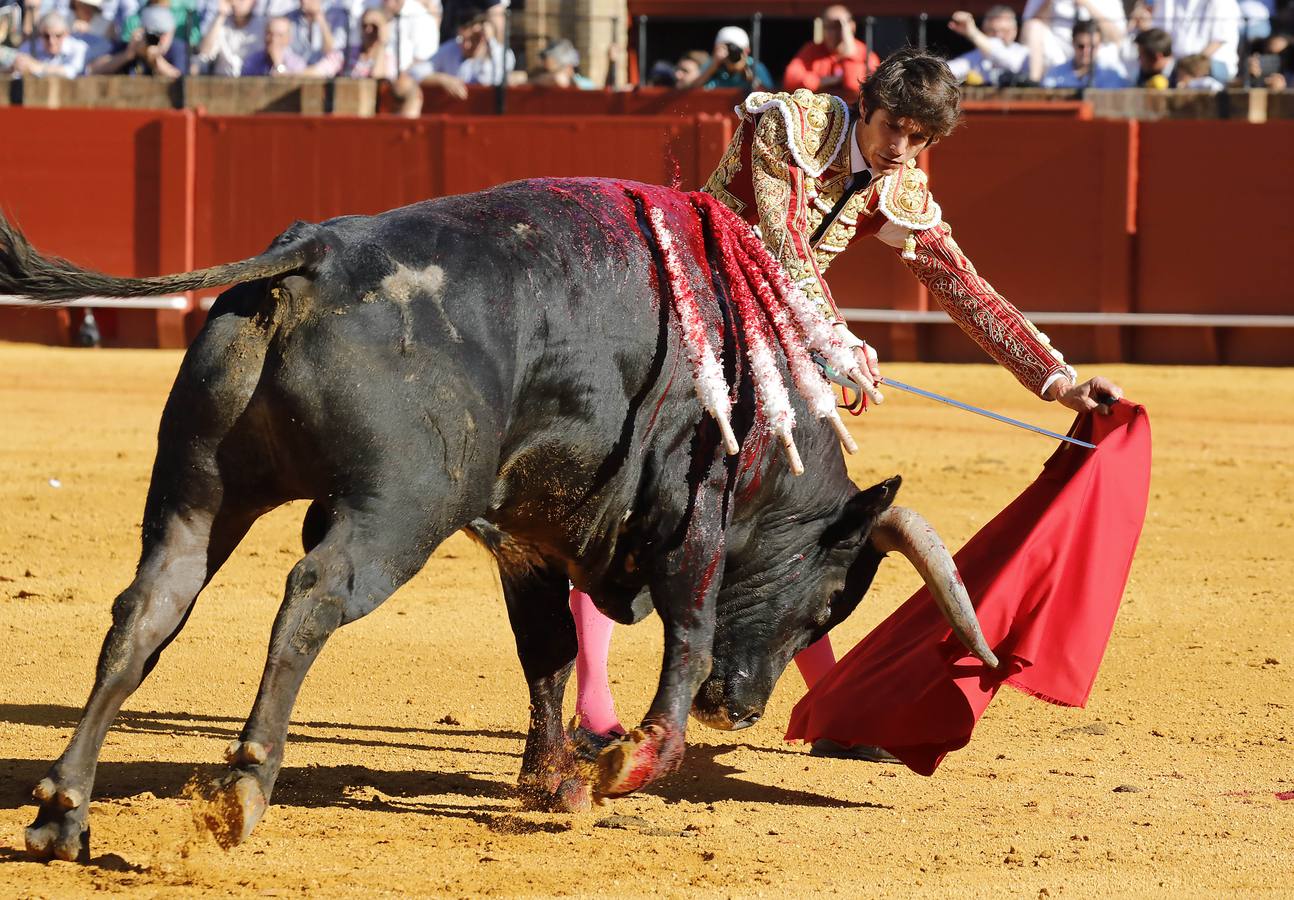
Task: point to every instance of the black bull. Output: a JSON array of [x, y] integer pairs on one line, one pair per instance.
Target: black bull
[[504, 361]]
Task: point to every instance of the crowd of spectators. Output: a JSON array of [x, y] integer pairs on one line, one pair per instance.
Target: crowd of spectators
[[320, 38], [1191, 44], [1064, 44]]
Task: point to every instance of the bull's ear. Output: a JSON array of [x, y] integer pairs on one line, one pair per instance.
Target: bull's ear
[[858, 514]]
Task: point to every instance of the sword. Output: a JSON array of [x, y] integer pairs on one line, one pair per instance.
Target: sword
[[845, 381]]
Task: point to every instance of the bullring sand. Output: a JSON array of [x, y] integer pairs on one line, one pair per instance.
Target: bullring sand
[[407, 736]]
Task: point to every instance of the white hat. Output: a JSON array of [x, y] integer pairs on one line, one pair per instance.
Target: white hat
[[731, 34]]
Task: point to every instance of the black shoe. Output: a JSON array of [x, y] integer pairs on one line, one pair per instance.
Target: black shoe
[[866, 752]]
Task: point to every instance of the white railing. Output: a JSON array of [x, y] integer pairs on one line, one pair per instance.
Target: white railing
[[1189, 320], [177, 302]]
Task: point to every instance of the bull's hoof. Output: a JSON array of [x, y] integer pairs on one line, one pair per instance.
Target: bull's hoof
[[231, 810], [60, 830], [572, 795], [631, 762]]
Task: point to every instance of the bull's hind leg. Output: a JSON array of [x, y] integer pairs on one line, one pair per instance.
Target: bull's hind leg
[[367, 550], [551, 776], [183, 549]]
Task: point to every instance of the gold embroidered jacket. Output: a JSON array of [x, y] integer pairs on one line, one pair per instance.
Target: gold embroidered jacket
[[784, 170]]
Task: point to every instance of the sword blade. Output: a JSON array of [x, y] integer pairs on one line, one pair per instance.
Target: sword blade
[[931, 395]]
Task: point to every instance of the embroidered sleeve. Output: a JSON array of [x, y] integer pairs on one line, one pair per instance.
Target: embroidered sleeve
[[980, 311], [783, 213]]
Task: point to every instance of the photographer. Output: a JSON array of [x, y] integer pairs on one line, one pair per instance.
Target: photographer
[[732, 66], [153, 48]]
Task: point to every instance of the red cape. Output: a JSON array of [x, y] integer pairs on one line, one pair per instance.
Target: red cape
[[1046, 577]]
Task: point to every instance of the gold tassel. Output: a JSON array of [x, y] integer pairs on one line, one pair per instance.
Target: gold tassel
[[910, 246]]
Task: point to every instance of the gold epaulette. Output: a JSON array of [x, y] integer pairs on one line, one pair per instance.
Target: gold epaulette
[[816, 124], [904, 198]]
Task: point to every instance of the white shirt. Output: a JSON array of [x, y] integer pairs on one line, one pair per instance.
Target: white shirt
[[1194, 24], [415, 37], [70, 60], [1064, 13], [235, 46], [1000, 59]]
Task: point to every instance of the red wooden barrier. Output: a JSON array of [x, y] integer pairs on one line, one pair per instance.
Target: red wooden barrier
[[1043, 208], [1060, 214], [1213, 229], [108, 189]]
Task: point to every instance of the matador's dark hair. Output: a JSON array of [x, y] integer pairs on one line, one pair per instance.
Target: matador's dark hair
[[913, 84]]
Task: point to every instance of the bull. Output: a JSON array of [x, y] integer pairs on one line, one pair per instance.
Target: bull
[[506, 362]]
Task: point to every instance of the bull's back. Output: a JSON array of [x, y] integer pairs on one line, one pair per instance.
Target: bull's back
[[516, 339]]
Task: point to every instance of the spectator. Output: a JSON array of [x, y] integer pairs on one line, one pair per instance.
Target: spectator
[[1256, 18], [998, 58], [474, 57], [1193, 74], [1086, 69], [278, 57], [1273, 65], [319, 36], [838, 65], [661, 74], [373, 58], [89, 26], [190, 16], [11, 16], [52, 51], [154, 46], [1139, 20], [689, 67], [559, 61], [1154, 59], [731, 65], [1049, 25], [1210, 27], [415, 33], [235, 34]]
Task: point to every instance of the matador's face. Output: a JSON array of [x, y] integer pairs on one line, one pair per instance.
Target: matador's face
[[887, 141]]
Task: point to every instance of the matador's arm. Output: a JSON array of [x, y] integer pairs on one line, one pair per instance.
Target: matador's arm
[[985, 315]]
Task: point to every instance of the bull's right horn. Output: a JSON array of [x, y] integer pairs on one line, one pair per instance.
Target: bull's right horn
[[907, 532]]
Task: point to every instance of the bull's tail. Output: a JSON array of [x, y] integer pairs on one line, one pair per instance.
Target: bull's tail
[[50, 279]]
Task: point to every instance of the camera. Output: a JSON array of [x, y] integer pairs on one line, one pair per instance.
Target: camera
[[1268, 64], [151, 39], [735, 52]]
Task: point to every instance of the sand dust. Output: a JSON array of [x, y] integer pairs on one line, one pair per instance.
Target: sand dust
[[407, 737]]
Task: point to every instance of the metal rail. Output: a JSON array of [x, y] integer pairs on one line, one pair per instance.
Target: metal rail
[[179, 302], [1187, 320]]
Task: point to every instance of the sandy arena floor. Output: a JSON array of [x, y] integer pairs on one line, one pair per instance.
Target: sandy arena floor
[[408, 732]]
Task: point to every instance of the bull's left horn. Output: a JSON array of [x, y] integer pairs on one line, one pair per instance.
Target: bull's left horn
[[907, 532]]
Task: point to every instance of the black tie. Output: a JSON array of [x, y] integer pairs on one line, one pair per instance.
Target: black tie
[[857, 181]]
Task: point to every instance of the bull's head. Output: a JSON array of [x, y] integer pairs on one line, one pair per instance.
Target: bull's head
[[785, 591]]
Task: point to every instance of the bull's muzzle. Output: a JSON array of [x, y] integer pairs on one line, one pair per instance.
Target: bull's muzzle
[[714, 710]]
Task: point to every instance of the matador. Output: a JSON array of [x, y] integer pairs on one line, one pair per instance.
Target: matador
[[812, 175]]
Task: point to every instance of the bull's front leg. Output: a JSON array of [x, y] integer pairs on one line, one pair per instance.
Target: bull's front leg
[[552, 777], [684, 588]]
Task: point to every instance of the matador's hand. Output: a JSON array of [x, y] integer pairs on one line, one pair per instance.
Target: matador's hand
[[867, 374], [1086, 396]]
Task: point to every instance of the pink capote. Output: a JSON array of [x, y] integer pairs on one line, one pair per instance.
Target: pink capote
[[1046, 577]]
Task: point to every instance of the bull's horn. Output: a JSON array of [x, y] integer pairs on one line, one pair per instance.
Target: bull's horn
[[905, 531]]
